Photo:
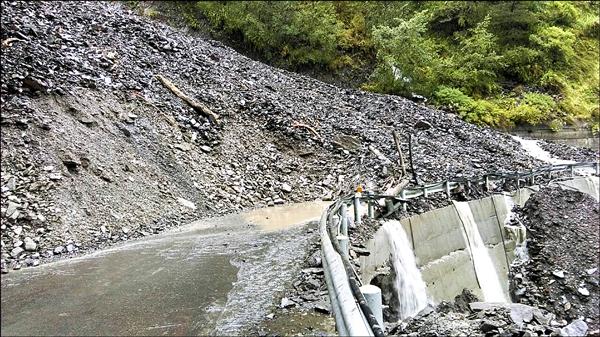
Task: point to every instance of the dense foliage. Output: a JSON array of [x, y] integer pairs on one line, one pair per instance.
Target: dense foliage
[[499, 63]]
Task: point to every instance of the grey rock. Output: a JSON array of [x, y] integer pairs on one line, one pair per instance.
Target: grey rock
[[575, 328], [30, 245], [489, 325], [286, 303], [16, 252], [583, 291], [286, 188], [559, 273], [59, 250], [317, 271], [183, 146], [205, 148], [314, 261], [125, 230], [70, 247], [11, 209], [322, 308]]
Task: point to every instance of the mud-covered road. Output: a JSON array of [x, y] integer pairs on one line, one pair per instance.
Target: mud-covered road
[[217, 276]]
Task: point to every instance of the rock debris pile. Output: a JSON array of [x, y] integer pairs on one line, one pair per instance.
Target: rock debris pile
[[96, 150], [467, 317], [561, 273]]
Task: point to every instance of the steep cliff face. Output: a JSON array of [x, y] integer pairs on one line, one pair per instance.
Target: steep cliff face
[[96, 150]]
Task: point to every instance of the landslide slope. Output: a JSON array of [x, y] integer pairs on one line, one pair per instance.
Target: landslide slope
[[96, 150]]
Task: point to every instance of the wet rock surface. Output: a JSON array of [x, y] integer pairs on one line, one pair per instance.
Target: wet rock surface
[[304, 308], [466, 316], [561, 274], [92, 142]]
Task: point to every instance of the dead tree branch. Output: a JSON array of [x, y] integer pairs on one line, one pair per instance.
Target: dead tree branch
[[400, 154], [309, 128], [201, 108]]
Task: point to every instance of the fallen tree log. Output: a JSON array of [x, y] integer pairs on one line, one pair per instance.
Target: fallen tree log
[[8, 42], [309, 128], [201, 108], [400, 154], [385, 160]]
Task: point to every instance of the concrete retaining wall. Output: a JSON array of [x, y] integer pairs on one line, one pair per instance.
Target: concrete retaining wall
[[440, 247]]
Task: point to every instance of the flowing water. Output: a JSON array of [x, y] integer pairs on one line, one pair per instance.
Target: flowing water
[[532, 147], [484, 267], [217, 276], [411, 289]]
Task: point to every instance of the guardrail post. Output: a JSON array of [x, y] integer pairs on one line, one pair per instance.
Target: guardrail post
[[571, 169], [343, 241], [373, 297], [404, 206], [487, 182], [344, 219], [425, 192], [532, 179], [448, 190], [370, 206], [357, 209], [389, 205]]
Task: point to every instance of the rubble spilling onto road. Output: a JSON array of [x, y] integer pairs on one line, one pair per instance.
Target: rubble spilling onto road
[[96, 150]]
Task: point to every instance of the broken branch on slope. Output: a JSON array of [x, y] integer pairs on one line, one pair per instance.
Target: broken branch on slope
[[309, 128], [201, 108]]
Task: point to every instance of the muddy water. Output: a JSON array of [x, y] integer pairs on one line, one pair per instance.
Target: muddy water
[[216, 276], [279, 217]]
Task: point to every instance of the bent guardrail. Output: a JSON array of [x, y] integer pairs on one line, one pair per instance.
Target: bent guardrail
[[353, 316]]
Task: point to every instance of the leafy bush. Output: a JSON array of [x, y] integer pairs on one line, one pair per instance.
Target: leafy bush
[[468, 56], [453, 99], [534, 108]]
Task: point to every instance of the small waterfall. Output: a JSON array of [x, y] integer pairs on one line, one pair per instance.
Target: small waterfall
[[517, 233], [411, 290], [484, 267]]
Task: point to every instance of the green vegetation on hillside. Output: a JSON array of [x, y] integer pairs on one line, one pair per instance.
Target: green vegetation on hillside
[[495, 63]]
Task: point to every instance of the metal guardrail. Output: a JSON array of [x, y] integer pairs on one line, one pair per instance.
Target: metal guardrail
[[353, 316]]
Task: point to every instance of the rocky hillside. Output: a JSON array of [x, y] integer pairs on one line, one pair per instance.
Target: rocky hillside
[[95, 149], [562, 271]]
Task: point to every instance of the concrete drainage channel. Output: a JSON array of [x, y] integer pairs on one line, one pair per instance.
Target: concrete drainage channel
[[440, 241]]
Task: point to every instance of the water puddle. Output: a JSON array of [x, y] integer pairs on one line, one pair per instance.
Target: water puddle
[[411, 290], [281, 217]]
